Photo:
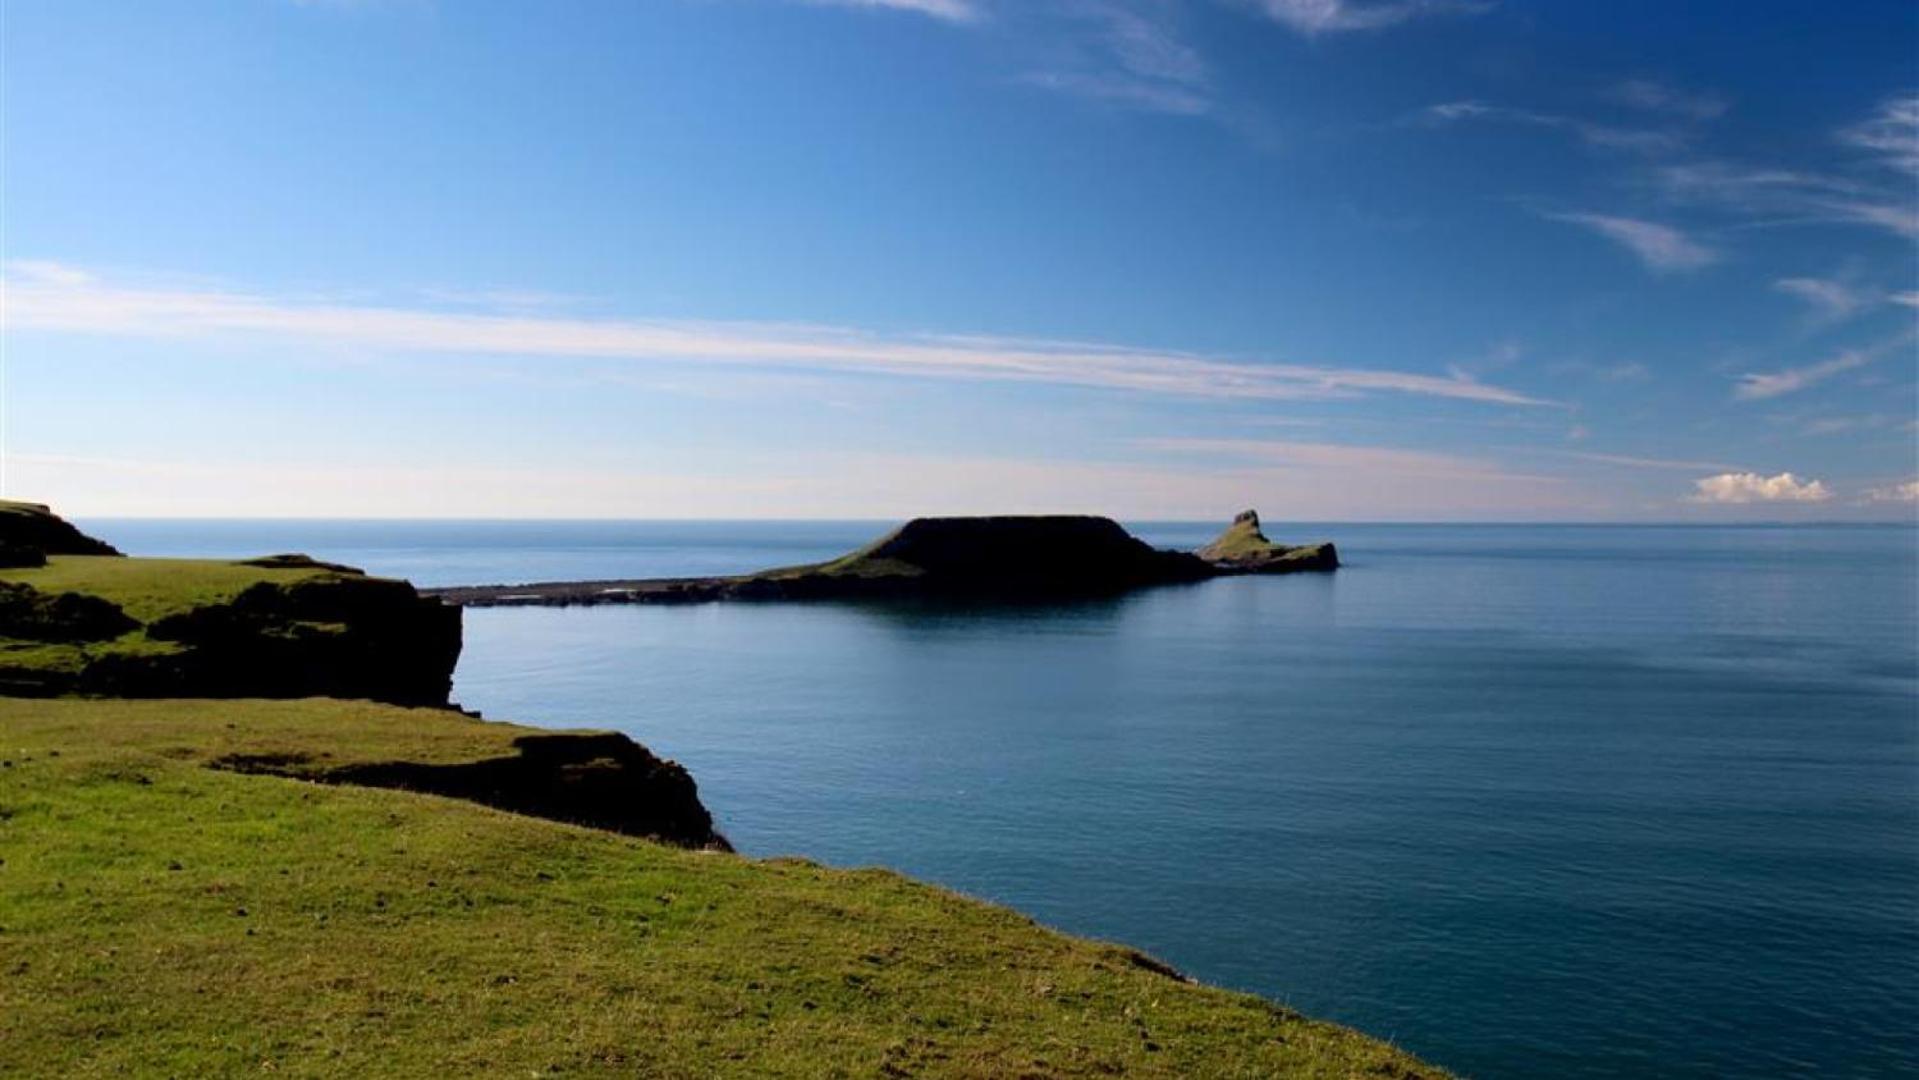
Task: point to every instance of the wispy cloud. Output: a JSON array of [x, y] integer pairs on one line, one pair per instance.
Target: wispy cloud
[[959, 11], [1654, 96], [1833, 299], [1891, 134], [1133, 60], [1756, 386], [1848, 193], [1124, 90], [1345, 456], [1626, 461], [1336, 16], [51, 297], [1661, 247], [1746, 487], [1637, 140], [1907, 492], [1759, 385]]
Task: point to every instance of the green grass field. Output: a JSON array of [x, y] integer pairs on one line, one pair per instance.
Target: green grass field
[[149, 589], [159, 917]]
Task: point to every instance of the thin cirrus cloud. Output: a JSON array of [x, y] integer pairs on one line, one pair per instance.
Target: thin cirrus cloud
[[1853, 192], [1832, 299], [1891, 134], [1598, 135], [1372, 460], [1129, 59], [1653, 96], [1748, 487], [1630, 462], [1757, 386], [949, 10], [1313, 17], [56, 298], [1662, 248]]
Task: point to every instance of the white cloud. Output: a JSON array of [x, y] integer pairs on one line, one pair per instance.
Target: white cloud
[[88, 306], [1600, 135], [1776, 196], [1834, 299], [1332, 16], [1891, 134], [1661, 247], [1134, 61], [1380, 460], [1755, 386], [1905, 299], [950, 10], [1655, 96], [1746, 487], [1645, 462], [788, 485], [1125, 90], [1907, 492]]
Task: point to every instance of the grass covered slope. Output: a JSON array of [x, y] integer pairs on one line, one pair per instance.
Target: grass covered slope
[[281, 626], [161, 917], [1243, 548]]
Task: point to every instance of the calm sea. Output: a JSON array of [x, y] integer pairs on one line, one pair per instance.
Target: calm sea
[[1539, 800]]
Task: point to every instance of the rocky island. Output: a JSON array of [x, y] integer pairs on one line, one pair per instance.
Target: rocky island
[[1012, 557]]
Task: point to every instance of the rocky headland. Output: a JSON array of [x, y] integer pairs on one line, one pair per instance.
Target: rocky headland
[[986, 558]]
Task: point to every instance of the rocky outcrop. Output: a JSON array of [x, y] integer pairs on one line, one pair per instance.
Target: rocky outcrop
[[1040, 556], [26, 614], [34, 527], [1244, 549], [334, 636], [602, 780], [988, 558]]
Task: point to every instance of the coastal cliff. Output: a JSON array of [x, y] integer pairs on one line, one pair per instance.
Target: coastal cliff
[[281, 627], [330, 886], [29, 532]]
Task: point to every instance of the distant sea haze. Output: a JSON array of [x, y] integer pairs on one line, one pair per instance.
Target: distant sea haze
[[1528, 800]]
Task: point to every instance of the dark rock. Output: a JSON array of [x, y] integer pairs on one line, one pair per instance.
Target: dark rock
[[26, 614], [606, 781], [33, 525], [298, 561], [20, 556], [334, 636]]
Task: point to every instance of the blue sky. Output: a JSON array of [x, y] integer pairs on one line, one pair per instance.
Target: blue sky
[[1391, 260]]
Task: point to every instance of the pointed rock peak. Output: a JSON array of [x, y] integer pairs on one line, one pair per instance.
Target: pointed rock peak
[[1247, 517]]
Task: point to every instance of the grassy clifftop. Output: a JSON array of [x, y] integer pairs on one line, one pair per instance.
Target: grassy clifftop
[[281, 626], [159, 916]]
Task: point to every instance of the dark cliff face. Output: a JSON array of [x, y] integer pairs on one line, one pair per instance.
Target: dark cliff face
[[985, 556], [342, 636], [602, 780], [30, 527], [331, 636]]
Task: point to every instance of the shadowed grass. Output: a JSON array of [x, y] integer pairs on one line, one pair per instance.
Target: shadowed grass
[[160, 917]]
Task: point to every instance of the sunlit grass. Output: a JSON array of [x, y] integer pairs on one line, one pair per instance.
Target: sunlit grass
[[159, 917]]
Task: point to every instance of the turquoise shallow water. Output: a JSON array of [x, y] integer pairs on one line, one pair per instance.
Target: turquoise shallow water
[[1540, 800]]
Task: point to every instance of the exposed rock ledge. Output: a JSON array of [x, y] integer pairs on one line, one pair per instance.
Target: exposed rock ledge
[[599, 779], [972, 557]]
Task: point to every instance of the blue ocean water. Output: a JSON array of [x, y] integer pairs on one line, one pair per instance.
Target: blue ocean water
[[1528, 800]]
